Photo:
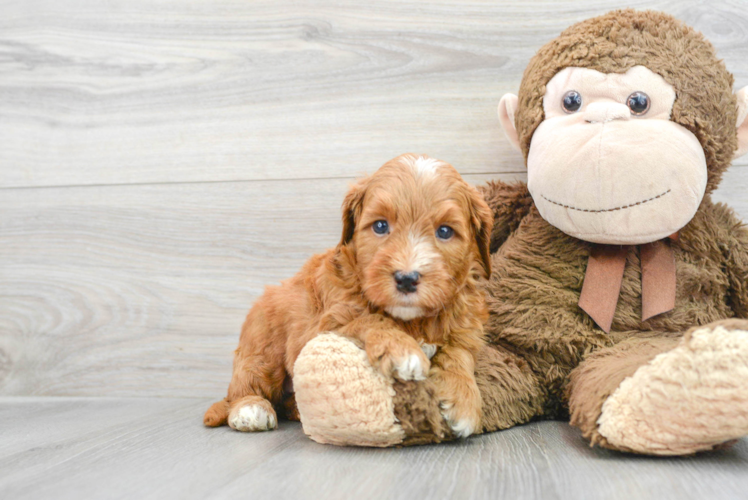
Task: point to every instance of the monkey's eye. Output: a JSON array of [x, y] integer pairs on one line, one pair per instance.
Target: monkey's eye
[[444, 232], [380, 227], [638, 103], [572, 101]]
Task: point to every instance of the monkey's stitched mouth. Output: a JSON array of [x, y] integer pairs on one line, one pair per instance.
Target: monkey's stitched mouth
[[624, 207]]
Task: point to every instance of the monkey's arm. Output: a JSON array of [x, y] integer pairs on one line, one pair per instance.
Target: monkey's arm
[[737, 269], [732, 235], [510, 203]]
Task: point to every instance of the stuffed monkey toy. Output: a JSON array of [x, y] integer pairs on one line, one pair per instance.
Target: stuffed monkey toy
[[619, 292]]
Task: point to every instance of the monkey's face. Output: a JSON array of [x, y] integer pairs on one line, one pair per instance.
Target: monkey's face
[[607, 164], [625, 158]]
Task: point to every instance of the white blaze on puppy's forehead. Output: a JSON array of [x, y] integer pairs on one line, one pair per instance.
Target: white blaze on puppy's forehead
[[423, 166]]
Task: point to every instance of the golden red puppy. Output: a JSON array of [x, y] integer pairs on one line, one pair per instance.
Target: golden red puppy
[[403, 280]]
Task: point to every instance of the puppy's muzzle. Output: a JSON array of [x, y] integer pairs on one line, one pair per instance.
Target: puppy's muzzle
[[406, 282]]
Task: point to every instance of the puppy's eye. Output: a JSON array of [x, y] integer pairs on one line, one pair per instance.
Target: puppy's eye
[[572, 101], [444, 232], [380, 227], [638, 103]]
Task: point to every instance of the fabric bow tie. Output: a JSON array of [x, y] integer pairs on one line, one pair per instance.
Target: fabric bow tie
[[604, 275]]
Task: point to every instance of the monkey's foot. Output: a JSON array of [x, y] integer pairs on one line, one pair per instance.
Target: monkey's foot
[[692, 398], [341, 398]]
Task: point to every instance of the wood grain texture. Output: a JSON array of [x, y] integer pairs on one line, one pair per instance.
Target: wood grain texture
[[157, 448], [132, 91], [161, 162], [141, 290]]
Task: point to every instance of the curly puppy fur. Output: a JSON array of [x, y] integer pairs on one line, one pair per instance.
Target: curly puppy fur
[[351, 289]]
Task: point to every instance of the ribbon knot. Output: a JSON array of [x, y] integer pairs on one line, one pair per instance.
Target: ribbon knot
[[604, 275]]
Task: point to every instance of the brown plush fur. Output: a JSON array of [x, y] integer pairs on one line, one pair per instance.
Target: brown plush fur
[[545, 356], [349, 288], [510, 205], [419, 417]]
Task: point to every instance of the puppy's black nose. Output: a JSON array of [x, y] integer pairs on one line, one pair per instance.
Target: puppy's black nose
[[406, 282]]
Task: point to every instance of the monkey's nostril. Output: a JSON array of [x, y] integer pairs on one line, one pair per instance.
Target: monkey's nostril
[[406, 282]]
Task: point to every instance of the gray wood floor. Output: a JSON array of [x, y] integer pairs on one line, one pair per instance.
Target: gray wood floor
[[161, 162], [157, 448]]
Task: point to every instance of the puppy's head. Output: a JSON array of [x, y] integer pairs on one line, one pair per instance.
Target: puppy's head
[[418, 233]]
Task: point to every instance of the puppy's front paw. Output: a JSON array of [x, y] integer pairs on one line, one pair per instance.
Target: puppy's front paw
[[463, 421], [411, 367], [253, 417], [399, 355]]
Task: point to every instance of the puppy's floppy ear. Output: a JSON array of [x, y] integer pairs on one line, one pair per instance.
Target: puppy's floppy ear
[[481, 219], [352, 205]]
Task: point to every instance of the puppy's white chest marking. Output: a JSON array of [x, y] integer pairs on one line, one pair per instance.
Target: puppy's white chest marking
[[405, 313]]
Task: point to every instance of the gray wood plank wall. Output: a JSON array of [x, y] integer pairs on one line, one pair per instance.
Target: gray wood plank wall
[[160, 162]]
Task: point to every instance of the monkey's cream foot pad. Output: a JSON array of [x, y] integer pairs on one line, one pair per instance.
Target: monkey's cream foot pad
[[344, 392], [72, 448], [690, 399]]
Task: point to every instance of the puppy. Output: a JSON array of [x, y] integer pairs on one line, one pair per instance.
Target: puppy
[[403, 281]]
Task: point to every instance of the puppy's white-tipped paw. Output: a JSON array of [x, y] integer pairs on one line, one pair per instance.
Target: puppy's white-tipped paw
[[253, 418], [410, 368], [462, 427]]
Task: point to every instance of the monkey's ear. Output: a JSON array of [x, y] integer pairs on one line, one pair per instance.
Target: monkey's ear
[[742, 122], [352, 205], [507, 108], [482, 222]]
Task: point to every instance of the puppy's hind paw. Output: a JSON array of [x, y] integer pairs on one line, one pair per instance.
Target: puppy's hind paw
[[253, 418], [410, 368]]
